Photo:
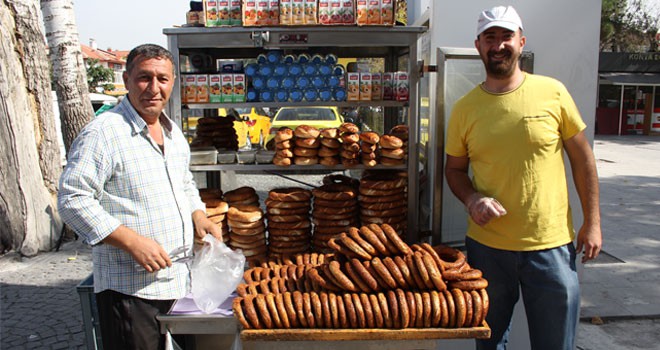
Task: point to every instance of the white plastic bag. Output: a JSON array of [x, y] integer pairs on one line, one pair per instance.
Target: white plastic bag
[[216, 271]]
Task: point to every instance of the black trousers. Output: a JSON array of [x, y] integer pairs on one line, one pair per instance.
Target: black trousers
[[129, 322]]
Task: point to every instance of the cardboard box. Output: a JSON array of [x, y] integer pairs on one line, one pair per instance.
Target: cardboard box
[[274, 12], [310, 7], [227, 87], [353, 86], [239, 88], [402, 86], [249, 13], [215, 88], [211, 12], [297, 12], [224, 13], [286, 12], [202, 83], [189, 87], [388, 86], [235, 10], [365, 86], [376, 86]]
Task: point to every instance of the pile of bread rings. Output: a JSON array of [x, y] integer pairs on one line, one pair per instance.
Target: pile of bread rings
[[289, 226], [372, 280], [216, 211], [216, 132], [307, 145], [246, 223], [383, 199], [335, 210]]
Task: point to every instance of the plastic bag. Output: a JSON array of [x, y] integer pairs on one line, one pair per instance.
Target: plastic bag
[[216, 271]]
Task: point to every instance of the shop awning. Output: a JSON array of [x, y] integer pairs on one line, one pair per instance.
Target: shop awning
[[630, 78]]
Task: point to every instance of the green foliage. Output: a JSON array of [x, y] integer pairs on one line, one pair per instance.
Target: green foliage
[[627, 26], [97, 75]]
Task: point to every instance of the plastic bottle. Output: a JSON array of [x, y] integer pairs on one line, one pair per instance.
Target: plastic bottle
[[295, 95], [338, 70], [252, 95], [333, 81], [273, 56], [295, 69], [288, 59], [251, 70], [311, 95], [280, 70], [309, 69], [266, 96], [259, 83], [288, 82], [317, 59], [331, 59], [273, 83], [265, 70], [262, 59], [339, 94], [325, 69], [281, 96], [303, 58], [302, 82], [318, 82], [325, 94]]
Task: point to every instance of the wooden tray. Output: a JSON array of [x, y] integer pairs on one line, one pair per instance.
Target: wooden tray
[[300, 334]]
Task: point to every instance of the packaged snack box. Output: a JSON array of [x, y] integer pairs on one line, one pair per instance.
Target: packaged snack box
[[235, 10], [298, 12], [202, 83], [189, 84], [335, 11], [250, 13], [376, 86], [227, 86], [239, 88], [388, 86], [348, 11], [263, 17], [362, 12], [365, 86], [286, 12], [387, 12], [373, 12], [224, 12], [310, 11], [402, 86], [353, 86], [324, 11], [274, 12], [215, 88], [211, 11]]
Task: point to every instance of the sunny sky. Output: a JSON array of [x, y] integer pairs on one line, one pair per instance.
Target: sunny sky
[[124, 24]]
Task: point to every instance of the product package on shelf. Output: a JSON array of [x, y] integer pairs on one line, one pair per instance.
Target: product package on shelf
[[375, 12], [222, 13]]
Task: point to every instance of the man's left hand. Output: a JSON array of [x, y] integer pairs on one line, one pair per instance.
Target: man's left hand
[[204, 226], [589, 240]]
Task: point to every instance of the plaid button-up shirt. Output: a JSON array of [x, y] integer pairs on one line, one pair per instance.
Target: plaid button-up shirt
[[116, 174]]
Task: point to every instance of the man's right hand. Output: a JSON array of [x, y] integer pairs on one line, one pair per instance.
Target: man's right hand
[[146, 252], [483, 209]]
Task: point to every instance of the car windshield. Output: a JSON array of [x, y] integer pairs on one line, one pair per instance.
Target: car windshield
[[242, 110], [306, 114]]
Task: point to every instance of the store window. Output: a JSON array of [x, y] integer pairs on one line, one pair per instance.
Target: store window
[[609, 96]]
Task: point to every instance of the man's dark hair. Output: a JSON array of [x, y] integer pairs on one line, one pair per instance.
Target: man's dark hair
[[147, 51]]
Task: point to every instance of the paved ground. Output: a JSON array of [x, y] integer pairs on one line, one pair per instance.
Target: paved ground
[[40, 307]]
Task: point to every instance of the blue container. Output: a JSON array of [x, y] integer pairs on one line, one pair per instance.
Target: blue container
[[251, 70], [325, 69], [325, 94], [273, 83], [311, 95], [309, 69], [288, 82], [288, 59], [317, 59], [280, 70], [295, 69], [273, 56], [265, 70], [331, 59], [296, 95], [318, 82], [333, 81], [252, 95], [338, 70], [262, 59], [303, 58], [266, 96], [281, 96], [302, 82], [339, 94], [259, 83]]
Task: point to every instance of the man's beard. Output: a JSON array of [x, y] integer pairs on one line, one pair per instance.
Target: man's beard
[[502, 68]]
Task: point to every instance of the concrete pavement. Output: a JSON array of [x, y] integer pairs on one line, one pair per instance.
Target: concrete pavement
[[40, 307]]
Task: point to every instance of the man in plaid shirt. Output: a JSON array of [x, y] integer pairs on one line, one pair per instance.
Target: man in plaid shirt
[[128, 191]]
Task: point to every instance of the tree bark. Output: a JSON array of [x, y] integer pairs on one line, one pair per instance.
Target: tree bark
[[69, 75], [29, 153]]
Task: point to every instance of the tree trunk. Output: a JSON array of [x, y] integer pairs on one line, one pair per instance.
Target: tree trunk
[[29, 154], [69, 73]]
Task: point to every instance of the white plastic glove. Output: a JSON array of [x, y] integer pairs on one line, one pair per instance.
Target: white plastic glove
[[483, 209]]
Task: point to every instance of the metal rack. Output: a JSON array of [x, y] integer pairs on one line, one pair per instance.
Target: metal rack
[[389, 43]]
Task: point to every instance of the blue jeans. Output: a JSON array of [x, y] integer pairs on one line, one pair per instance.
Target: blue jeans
[[550, 289]]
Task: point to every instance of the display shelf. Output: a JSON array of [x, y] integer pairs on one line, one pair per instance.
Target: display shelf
[[291, 168], [297, 104]]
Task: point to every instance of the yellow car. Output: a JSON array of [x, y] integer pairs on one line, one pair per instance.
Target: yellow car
[[254, 121], [316, 116]]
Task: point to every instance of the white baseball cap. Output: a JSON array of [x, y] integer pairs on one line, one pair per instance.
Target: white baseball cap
[[499, 16]]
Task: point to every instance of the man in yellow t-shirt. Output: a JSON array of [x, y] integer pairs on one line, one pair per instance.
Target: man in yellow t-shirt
[[511, 131]]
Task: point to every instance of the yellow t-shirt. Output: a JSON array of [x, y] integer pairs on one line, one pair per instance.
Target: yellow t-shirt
[[514, 141]]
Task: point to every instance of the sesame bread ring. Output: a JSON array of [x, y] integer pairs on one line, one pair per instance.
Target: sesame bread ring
[[351, 148], [393, 153], [379, 322], [282, 161], [451, 257], [427, 309], [270, 203], [384, 273], [318, 202], [359, 311], [251, 312], [368, 148], [459, 302], [330, 133], [351, 313], [369, 163], [300, 313], [378, 231], [345, 154], [398, 197], [286, 144], [349, 138], [349, 243], [436, 309], [451, 308], [434, 273], [250, 245], [334, 310], [304, 232], [390, 142], [330, 143], [377, 193], [419, 306], [404, 313], [284, 211], [272, 309], [330, 230], [327, 223], [219, 207], [290, 225], [392, 162], [306, 132], [405, 271], [469, 309], [393, 237], [368, 311], [395, 273], [368, 156], [412, 309], [462, 274], [369, 137], [373, 240], [400, 131], [444, 310], [480, 283], [364, 274], [290, 194], [305, 152], [289, 239], [245, 214], [334, 192], [429, 249], [355, 277], [412, 266], [283, 153], [295, 246], [247, 228], [239, 194], [306, 160], [349, 127], [329, 161], [340, 249], [281, 310], [349, 209], [252, 201], [286, 218], [343, 281], [308, 143], [283, 134], [288, 250], [255, 251], [210, 193], [317, 309], [342, 314], [290, 307], [354, 233], [479, 312], [217, 219], [385, 213], [423, 272], [383, 206], [325, 309], [393, 304], [485, 301], [350, 217], [238, 313], [384, 310], [376, 182], [327, 152], [349, 163]]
